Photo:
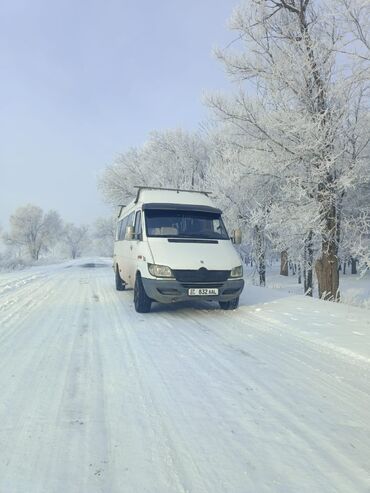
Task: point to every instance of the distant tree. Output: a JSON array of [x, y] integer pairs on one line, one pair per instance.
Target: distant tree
[[53, 225], [104, 233], [75, 239], [33, 230]]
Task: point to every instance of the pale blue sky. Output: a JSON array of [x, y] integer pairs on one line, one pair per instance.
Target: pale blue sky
[[82, 81]]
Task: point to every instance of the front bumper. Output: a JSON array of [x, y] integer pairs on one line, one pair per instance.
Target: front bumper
[[169, 291]]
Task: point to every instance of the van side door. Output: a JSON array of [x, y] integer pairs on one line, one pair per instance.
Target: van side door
[[118, 245], [135, 245], [127, 252]]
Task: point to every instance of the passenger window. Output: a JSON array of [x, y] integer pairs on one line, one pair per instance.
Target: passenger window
[[138, 233], [122, 229], [130, 222], [118, 228]]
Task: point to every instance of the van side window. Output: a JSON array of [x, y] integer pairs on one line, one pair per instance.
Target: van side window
[[118, 229], [122, 229], [129, 222], [138, 233]]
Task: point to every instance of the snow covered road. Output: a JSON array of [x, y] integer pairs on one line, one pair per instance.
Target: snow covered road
[[274, 397]]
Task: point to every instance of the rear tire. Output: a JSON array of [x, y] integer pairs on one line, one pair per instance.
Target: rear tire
[[229, 305], [120, 285], [141, 300]]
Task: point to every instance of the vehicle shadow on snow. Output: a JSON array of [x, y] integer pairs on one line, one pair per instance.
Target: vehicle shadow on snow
[[93, 265], [184, 305]]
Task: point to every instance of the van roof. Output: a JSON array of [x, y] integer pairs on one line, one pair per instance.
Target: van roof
[[146, 195]]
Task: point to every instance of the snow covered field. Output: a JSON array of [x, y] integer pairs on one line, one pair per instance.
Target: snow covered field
[[273, 397], [354, 289]]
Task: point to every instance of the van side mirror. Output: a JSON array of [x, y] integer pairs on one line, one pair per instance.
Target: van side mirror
[[129, 233], [236, 236]]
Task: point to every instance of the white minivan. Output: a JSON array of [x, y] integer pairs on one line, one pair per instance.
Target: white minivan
[[172, 245]]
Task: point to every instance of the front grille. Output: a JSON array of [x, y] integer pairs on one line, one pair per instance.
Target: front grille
[[202, 275]]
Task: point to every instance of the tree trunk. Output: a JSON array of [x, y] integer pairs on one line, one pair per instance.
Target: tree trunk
[[327, 266], [262, 269], [353, 266], [344, 266], [34, 252], [299, 274], [308, 261], [284, 263], [260, 254], [328, 275]]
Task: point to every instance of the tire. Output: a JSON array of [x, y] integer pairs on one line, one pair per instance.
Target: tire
[[120, 285], [229, 305], [141, 301]]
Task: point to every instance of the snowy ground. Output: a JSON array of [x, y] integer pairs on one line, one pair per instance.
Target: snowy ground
[[354, 289], [273, 397]]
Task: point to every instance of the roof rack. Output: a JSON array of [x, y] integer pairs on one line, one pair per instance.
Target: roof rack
[[168, 189]]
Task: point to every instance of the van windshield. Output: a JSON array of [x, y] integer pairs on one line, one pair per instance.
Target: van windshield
[[184, 224]]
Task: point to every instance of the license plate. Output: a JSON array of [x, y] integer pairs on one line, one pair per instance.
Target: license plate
[[203, 292]]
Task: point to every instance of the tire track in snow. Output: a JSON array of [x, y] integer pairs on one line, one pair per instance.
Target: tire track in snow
[[162, 437], [28, 393]]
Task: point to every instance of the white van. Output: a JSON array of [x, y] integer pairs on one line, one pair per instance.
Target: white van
[[172, 245]]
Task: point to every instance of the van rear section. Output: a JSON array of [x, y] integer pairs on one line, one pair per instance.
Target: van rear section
[[175, 247]]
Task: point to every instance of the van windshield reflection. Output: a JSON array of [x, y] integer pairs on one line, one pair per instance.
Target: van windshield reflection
[[184, 224]]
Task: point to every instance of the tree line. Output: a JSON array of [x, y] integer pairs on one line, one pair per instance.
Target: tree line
[[286, 152], [34, 233]]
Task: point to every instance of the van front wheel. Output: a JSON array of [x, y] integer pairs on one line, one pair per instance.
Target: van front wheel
[[229, 305], [141, 301]]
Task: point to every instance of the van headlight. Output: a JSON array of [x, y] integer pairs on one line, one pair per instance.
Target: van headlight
[[160, 270], [237, 271]]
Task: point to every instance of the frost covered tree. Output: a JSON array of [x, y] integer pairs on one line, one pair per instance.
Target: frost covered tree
[[172, 158], [75, 238], [104, 233], [53, 225], [301, 104], [34, 230], [245, 197]]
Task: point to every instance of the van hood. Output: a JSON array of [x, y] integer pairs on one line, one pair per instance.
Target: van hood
[[191, 255]]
